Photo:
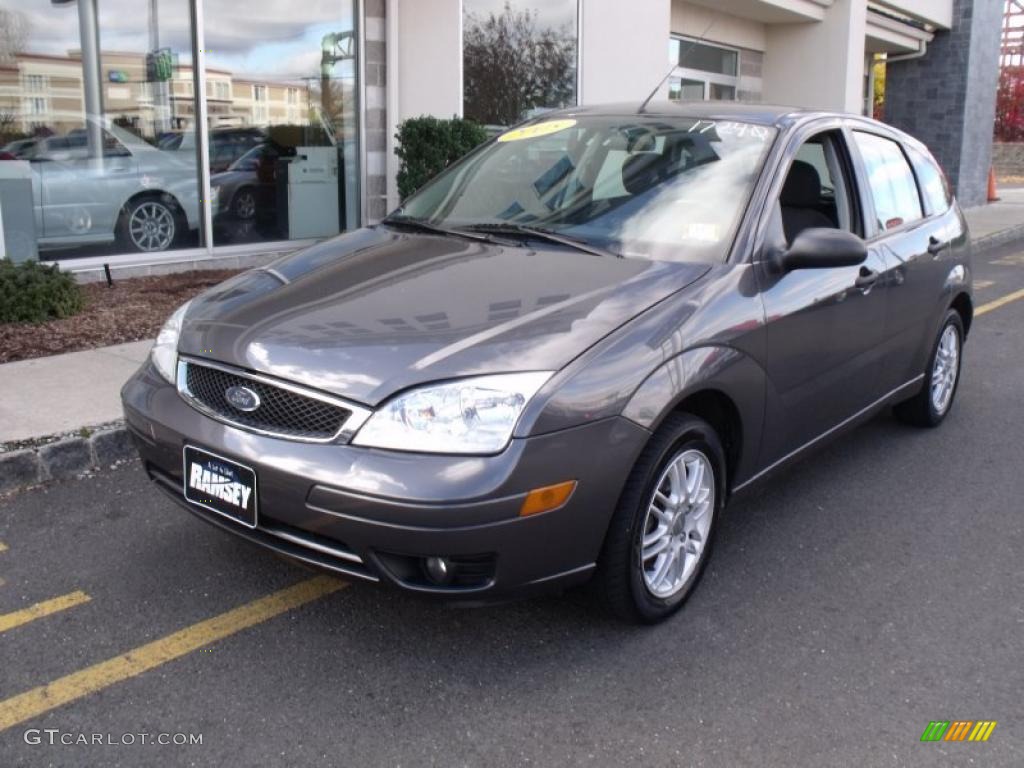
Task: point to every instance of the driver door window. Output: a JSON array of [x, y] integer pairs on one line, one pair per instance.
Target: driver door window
[[816, 192]]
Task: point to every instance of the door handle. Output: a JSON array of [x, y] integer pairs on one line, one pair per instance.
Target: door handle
[[866, 278], [935, 245]]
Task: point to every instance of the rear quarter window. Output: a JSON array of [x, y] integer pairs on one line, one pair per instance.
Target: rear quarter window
[[934, 187]]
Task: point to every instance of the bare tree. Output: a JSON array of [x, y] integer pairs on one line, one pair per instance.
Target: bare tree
[[14, 34], [7, 131], [510, 66]]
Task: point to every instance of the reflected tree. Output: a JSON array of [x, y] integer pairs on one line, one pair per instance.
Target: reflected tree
[[511, 65], [14, 31]]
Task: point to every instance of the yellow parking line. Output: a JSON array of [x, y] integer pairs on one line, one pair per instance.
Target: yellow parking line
[[999, 302], [37, 701], [3, 547], [45, 608]]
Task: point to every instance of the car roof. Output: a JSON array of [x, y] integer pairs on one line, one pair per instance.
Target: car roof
[[760, 114]]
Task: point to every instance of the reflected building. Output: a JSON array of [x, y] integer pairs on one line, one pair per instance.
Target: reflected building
[[44, 95]]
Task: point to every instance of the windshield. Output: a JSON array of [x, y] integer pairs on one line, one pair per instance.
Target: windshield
[[667, 188]]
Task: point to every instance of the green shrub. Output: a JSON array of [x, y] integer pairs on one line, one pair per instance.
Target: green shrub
[[31, 292], [427, 145]]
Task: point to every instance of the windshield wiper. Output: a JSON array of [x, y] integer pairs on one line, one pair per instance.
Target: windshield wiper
[[540, 233], [419, 225]]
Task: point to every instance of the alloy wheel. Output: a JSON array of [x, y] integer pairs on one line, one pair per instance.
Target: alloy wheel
[[151, 226], [245, 205], [677, 524], [945, 369]]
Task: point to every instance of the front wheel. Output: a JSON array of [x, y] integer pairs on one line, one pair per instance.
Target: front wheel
[[942, 376], [243, 206], [661, 532]]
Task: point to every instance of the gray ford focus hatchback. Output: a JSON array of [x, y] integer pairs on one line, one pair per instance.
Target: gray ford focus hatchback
[[558, 360]]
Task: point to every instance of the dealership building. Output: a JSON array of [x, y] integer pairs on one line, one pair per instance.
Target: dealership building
[[151, 132]]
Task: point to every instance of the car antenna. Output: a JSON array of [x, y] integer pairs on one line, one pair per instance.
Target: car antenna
[[701, 39]]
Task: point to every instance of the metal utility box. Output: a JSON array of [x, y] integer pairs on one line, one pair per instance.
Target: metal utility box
[[312, 194], [17, 219]]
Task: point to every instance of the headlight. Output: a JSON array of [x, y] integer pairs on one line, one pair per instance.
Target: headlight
[[475, 415], [165, 351]]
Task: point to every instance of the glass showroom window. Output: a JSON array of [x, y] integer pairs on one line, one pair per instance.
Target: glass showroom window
[[703, 71], [90, 122], [519, 58], [284, 147]]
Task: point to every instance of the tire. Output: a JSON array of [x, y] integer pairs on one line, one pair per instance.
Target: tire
[[625, 580], [149, 224], [926, 409], [243, 204]]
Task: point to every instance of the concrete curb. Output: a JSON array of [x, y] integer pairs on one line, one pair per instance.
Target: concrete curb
[[63, 456], [996, 239]]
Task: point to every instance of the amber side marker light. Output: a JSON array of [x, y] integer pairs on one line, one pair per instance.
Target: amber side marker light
[[547, 498]]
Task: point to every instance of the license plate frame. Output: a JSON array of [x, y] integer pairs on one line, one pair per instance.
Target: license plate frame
[[229, 477]]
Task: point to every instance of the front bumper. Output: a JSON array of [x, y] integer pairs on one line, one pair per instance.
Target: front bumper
[[375, 514]]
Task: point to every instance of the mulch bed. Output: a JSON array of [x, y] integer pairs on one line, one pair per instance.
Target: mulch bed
[[132, 310]]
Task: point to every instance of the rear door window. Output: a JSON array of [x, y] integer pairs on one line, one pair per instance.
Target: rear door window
[[891, 181]]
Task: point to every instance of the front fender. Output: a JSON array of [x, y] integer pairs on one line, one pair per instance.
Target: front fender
[[719, 369]]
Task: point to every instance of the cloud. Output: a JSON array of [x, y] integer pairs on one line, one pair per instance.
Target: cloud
[[271, 36]]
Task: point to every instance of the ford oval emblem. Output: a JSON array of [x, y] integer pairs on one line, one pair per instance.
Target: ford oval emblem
[[242, 398]]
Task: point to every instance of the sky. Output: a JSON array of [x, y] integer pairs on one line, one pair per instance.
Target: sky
[[277, 39]]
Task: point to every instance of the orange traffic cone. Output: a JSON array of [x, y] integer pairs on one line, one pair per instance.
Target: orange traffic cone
[[993, 195]]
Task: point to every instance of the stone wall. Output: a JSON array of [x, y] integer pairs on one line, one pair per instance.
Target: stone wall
[[1008, 158], [947, 97]]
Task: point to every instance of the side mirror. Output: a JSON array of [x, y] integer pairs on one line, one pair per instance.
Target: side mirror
[[820, 248]]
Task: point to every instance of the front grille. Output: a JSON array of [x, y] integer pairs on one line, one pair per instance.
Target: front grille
[[281, 411]]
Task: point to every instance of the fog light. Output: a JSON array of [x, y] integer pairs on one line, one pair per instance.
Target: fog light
[[439, 569]]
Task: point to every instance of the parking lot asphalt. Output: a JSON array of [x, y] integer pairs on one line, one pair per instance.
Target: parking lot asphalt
[[870, 589]]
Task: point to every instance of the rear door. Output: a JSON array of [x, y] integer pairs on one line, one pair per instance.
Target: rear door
[[912, 223]]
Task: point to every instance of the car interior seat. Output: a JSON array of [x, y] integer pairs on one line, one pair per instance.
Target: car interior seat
[[801, 201]]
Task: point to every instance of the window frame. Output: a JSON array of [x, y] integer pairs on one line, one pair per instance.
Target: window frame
[[708, 78], [462, 56]]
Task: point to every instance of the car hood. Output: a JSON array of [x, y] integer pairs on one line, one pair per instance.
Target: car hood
[[231, 178], [374, 311]]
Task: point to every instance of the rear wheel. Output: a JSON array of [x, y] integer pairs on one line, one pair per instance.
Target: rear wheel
[[661, 532], [149, 224], [942, 376]]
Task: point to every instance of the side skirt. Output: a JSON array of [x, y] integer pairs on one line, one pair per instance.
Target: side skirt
[[889, 397]]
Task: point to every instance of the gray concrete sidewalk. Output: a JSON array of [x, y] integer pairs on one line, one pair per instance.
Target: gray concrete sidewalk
[[50, 395], [998, 222]]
